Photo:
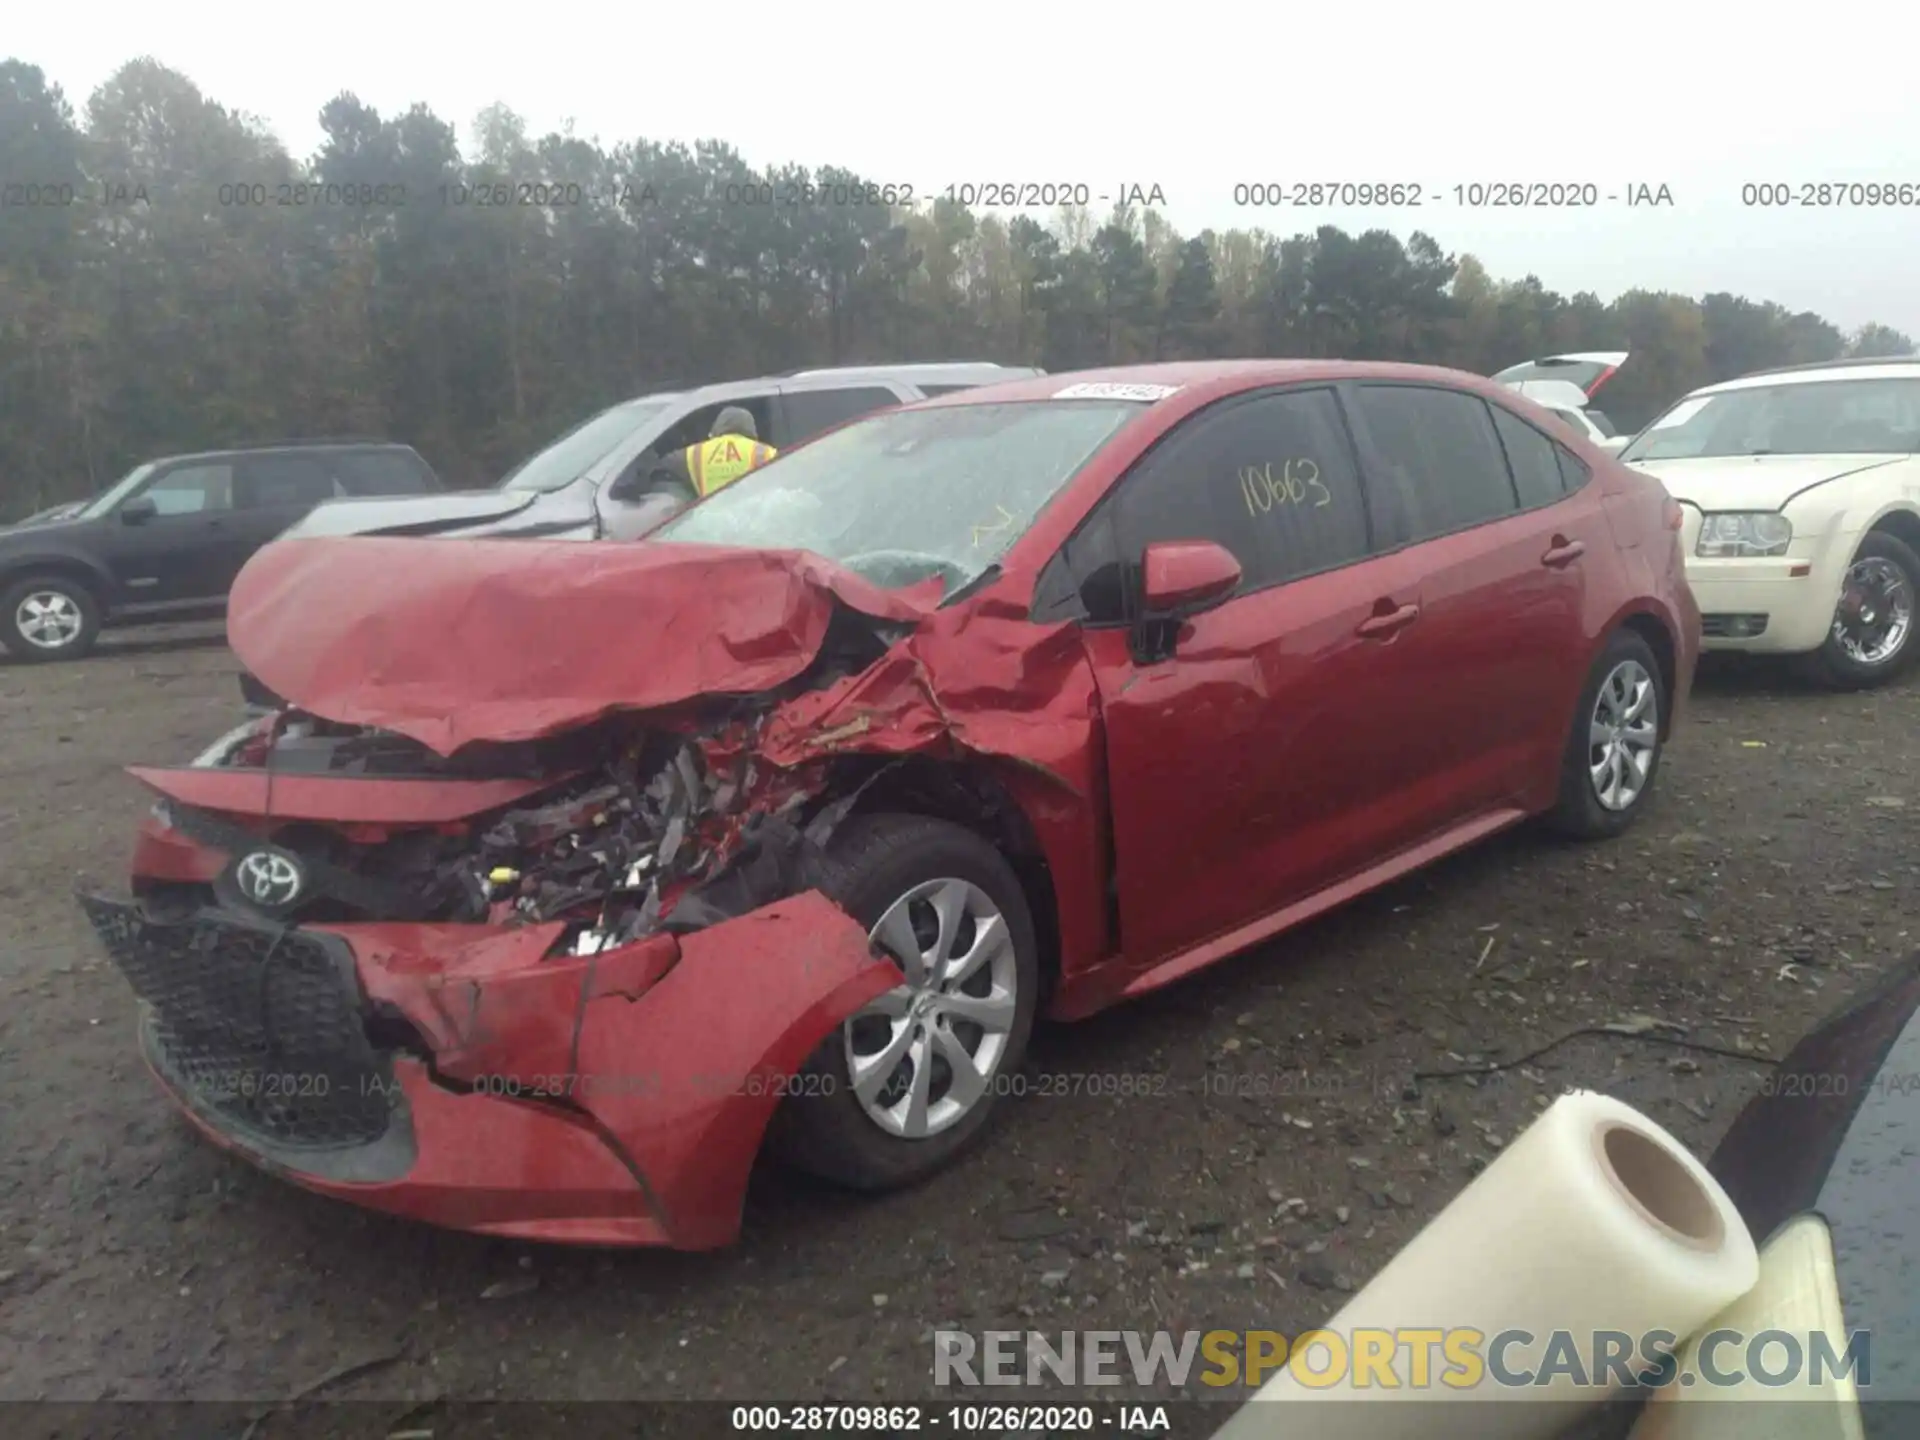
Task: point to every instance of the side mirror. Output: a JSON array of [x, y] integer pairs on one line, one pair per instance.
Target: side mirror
[[1185, 577], [138, 511]]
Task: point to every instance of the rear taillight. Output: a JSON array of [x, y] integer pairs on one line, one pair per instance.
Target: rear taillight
[[1605, 375]]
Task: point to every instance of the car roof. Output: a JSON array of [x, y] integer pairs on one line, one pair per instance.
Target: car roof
[[1898, 367], [1217, 377], [271, 446], [933, 372]]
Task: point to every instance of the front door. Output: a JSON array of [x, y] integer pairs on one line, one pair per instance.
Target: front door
[[1257, 762], [179, 552]]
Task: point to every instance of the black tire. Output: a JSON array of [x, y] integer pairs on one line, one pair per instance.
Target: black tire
[[65, 588], [1579, 813], [821, 1127], [1830, 665]]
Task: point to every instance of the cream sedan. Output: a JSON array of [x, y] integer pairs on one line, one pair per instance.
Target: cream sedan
[[1800, 490]]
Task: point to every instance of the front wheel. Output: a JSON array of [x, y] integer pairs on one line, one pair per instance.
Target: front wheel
[[910, 1080], [48, 617], [1871, 639], [1613, 752]]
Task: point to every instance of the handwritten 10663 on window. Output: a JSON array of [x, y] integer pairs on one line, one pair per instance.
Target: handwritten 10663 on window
[[1289, 482]]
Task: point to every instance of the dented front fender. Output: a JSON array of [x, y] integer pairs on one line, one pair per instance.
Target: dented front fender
[[677, 1049]]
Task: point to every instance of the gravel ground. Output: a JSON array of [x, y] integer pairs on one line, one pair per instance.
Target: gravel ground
[[1285, 1157]]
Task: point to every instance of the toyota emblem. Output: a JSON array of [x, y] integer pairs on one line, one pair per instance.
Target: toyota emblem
[[269, 879]]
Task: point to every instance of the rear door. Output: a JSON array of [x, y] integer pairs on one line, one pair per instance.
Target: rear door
[[1508, 561], [272, 491], [1255, 763]]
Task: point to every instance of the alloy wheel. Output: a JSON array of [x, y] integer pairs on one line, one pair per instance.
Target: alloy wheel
[[1623, 734], [48, 619], [922, 1056], [1875, 612]]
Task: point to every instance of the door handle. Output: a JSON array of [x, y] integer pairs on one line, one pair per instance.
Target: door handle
[[1563, 553], [1392, 622]]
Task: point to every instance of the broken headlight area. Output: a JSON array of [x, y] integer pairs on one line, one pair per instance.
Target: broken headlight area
[[639, 830], [676, 836]]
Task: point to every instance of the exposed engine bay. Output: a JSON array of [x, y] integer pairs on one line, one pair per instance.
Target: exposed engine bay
[[636, 830]]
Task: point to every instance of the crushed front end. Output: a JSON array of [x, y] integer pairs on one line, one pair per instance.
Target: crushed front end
[[550, 990]]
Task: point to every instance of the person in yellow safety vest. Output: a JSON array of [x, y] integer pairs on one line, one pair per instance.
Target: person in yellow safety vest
[[733, 447]]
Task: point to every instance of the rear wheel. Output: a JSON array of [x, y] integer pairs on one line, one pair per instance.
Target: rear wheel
[[48, 617], [907, 1082], [1613, 752], [1871, 639]]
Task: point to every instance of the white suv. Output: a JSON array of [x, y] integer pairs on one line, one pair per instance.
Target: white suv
[[1801, 495]]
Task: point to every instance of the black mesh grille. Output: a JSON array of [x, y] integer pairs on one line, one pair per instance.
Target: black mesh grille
[[258, 1025]]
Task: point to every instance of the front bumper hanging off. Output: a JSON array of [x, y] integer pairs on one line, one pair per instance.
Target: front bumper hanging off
[[461, 1075]]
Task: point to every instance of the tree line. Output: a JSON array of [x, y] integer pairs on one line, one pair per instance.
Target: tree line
[[171, 279]]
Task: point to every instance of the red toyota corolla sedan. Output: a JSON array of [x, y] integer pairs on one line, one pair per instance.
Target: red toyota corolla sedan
[[558, 878]]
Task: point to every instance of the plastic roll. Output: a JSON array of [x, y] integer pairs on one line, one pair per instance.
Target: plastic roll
[[1593, 1220]]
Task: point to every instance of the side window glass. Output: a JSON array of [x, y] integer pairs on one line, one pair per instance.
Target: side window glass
[[1573, 470], [1532, 458], [1270, 478], [192, 490], [693, 428], [1439, 460], [381, 472], [1084, 580], [808, 412], [284, 482]]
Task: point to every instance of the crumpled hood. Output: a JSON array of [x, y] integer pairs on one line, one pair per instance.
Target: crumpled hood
[[509, 640], [1753, 482]]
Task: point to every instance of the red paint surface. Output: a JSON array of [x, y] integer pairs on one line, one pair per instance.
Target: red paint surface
[[497, 1166], [1290, 753], [663, 1060], [1186, 572], [514, 639], [162, 853]]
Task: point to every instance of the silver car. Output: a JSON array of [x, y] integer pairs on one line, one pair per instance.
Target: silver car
[[592, 483]]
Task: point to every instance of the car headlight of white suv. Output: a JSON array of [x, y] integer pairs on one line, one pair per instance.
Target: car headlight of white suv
[[1743, 534]]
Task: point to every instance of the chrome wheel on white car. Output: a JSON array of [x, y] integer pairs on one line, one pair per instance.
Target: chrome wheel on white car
[[1875, 611], [1871, 637]]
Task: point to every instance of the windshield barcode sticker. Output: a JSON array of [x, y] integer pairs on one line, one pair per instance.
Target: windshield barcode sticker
[[1105, 391]]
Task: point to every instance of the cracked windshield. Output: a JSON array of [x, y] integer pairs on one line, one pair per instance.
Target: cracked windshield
[[906, 496]]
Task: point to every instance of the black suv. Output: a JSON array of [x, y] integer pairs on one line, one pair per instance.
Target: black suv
[[166, 541]]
